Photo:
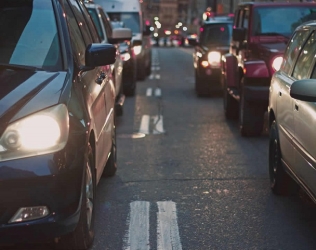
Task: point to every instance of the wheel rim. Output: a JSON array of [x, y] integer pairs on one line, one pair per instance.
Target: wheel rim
[[89, 195]]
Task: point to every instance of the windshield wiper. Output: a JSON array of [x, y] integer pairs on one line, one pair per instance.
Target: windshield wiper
[[272, 34], [19, 67]]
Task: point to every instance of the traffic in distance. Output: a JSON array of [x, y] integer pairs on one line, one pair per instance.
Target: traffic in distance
[[94, 117]]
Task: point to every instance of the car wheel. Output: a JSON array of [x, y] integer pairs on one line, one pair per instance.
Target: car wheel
[[141, 70], [199, 82], [111, 164], [230, 105], [280, 182], [82, 237], [251, 118]]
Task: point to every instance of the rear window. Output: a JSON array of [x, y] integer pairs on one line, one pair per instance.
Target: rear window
[[130, 19], [216, 34], [29, 34], [280, 20]]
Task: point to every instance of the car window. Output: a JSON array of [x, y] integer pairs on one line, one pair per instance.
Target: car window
[[216, 34], [131, 20], [305, 59], [29, 34], [76, 37], [81, 22], [107, 23], [293, 49], [280, 20], [91, 27], [95, 17]]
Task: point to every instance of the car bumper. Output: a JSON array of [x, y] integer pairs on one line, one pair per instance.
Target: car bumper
[[47, 180], [212, 77]]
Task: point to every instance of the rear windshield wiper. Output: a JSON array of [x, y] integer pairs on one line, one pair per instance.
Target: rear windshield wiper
[[19, 67]]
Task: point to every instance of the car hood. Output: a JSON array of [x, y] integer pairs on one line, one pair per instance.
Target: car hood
[[24, 92]]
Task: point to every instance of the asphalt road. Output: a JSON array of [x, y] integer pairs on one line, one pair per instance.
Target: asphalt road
[[187, 180]]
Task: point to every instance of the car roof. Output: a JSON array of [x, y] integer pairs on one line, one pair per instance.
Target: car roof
[[216, 21], [307, 25]]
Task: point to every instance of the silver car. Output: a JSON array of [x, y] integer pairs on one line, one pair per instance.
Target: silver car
[[292, 116]]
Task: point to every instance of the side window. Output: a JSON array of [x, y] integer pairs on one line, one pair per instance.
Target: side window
[[292, 50], [245, 22], [81, 21], [76, 38], [90, 24], [240, 18], [107, 24], [305, 59]]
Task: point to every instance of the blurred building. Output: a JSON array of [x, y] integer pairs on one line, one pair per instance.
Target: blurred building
[[184, 16]]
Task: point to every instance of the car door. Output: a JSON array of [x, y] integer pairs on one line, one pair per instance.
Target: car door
[[91, 83], [304, 119], [284, 103]]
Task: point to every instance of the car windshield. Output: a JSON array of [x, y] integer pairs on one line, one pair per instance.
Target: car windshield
[[29, 34], [131, 20], [216, 34], [272, 21]]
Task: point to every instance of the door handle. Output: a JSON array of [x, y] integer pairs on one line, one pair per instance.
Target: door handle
[[296, 107], [280, 93]]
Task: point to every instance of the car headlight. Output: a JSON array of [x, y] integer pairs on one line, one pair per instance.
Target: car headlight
[[277, 62], [125, 56], [137, 49], [40, 133], [214, 58]]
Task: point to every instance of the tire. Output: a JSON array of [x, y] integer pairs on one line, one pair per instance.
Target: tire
[[280, 182], [111, 164], [251, 118], [230, 105], [141, 70], [199, 81], [82, 237]]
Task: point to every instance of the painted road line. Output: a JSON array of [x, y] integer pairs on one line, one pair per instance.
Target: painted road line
[[144, 124], [168, 237], [151, 77], [138, 232], [158, 92], [149, 92], [158, 124], [157, 76]]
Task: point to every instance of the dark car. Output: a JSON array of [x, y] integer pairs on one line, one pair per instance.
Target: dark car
[[129, 63], [292, 112], [261, 32], [212, 42], [57, 121]]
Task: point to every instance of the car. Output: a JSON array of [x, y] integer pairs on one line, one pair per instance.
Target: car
[[212, 42], [292, 112], [58, 134], [260, 34], [114, 36], [128, 56], [130, 12]]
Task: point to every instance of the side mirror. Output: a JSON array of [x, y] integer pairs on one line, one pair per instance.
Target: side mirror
[[120, 35], [304, 90], [99, 54], [239, 34]]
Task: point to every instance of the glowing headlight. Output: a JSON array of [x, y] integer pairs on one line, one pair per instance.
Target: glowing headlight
[[277, 62], [137, 49], [40, 133], [125, 56], [214, 58]]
